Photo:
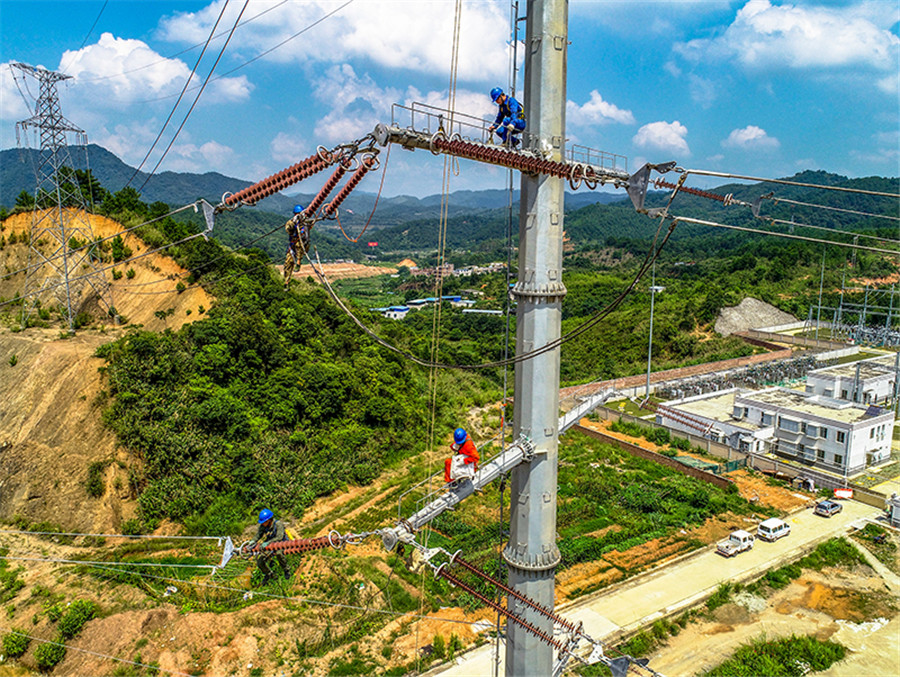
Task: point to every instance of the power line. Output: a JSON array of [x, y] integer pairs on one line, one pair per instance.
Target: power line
[[293, 598], [183, 90], [91, 30], [830, 230], [261, 54], [834, 209], [199, 94], [702, 172], [138, 536], [53, 560], [179, 53], [701, 222]]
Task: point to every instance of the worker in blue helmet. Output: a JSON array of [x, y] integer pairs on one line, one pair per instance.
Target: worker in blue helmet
[[510, 120], [465, 463], [269, 531], [298, 229]]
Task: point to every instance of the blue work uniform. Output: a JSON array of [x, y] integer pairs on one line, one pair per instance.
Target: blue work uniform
[[510, 113]]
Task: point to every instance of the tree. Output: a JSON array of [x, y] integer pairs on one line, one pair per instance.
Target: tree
[[24, 202]]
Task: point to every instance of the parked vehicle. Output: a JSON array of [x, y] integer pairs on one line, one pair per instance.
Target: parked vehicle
[[737, 542], [828, 508], [773, 529]]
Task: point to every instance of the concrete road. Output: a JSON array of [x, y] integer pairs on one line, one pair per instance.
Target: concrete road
[[679, 585]]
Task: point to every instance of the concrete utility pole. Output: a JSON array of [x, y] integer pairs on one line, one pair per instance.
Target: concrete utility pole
[[531, 552]]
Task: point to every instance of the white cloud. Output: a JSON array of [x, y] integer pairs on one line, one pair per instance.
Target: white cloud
[[765, 36], [12, 99], [703, 91], [358, 103], [750, 137], [596, 111], [131, 141], [289, 148], [889, 84], [119, 70], [663, 136], [396, 35]]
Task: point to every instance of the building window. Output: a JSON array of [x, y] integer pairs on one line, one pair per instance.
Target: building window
[[820, 454], [871, 433], [840, 436], [803, 427], [843, 394], [823, 433], [800, 449], [746, 412], [838, 459], [767, 419], [788, 424]]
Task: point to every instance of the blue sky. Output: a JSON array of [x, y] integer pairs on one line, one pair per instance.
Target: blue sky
[[757, 87]]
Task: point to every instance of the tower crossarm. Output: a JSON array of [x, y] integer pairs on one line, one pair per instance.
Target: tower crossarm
[[528, 161], [518, 452]]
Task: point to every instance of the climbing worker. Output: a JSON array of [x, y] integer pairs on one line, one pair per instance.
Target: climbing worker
[[269, 531], [298, 229], [465, 462], [510, 120]]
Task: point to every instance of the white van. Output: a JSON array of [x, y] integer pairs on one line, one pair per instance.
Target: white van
[[772, 529]]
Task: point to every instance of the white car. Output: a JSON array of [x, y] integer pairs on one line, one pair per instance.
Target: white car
[[772, 529]]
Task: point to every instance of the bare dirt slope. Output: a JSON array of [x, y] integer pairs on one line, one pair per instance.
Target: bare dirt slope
[[50, 428], [750, 314], [151, 288]]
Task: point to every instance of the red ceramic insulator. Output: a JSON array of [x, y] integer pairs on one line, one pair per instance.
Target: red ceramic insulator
[[453, 580]]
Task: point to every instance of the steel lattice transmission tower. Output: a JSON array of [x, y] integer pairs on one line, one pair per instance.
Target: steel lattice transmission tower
[[61, 262]]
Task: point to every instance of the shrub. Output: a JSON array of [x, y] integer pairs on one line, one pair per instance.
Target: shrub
[[48, 655], [95, 486], [794, 655], [79, 613], [719, 597], [15, 643], [13, 360], [439, 647], [117, 274], [130, 273]]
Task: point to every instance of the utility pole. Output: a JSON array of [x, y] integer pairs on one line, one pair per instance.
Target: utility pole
[[531, 553], [59, 258], [653, 290]]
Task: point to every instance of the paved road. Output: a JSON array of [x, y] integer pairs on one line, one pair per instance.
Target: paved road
[[677, 586]]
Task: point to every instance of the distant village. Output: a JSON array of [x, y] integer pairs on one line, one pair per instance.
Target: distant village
[[455, 300]]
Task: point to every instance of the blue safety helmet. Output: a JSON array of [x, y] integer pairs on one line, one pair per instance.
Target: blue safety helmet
[[298, 209], [265, 515], [496, 92], [459, 436]]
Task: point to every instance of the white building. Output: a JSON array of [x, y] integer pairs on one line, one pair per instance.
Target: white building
[[836, 435], [866, 381]]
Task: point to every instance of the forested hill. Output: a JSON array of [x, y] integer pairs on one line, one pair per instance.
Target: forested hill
[[618, 224]]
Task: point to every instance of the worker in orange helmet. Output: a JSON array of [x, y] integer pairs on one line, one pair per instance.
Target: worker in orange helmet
[[465, 463]]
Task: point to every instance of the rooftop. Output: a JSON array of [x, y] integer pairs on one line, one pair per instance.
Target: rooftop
[[814, 405], [714, 407], [867, 370]]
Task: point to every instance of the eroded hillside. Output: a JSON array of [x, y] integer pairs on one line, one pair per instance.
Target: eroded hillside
[[50, 427]]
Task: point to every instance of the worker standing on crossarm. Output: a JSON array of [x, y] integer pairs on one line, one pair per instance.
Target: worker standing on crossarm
[[298, 229], [465, 462], [510, 120], [269, 531]]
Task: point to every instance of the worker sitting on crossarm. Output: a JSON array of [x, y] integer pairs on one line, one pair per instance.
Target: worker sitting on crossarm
[[298, 229], [464, 464], [270, 531], [510, 120]]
